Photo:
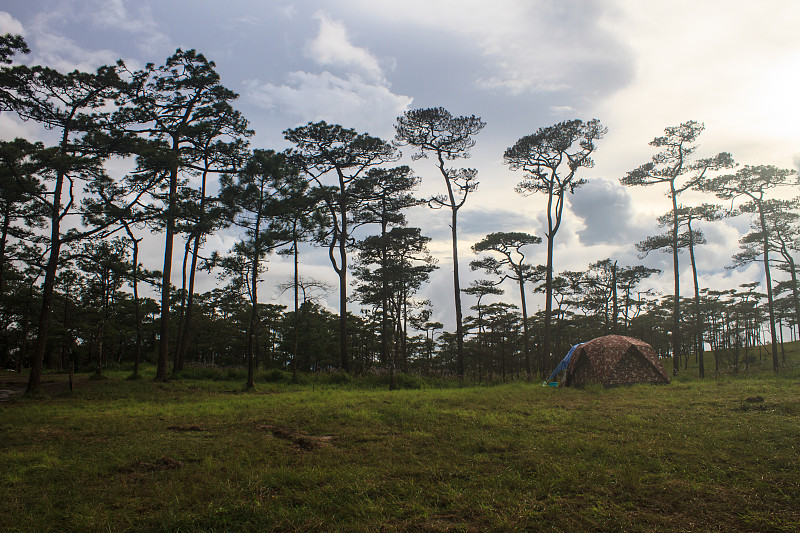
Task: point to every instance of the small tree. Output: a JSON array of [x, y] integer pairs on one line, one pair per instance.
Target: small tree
[[302, 218], [785, 226], [253, 199], [385, 193], [480, 289], [105, 266], [511, 265]]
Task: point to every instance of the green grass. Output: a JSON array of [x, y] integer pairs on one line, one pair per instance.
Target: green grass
[[202, 455]]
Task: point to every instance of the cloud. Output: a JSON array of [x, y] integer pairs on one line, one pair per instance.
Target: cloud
[[332, 47], [11, 127], [737, 75], [562, 111], [350, 101], [59, 52], [606, 210], [115, 16], [480, 221], [351, 91], [526, 46], [52, 47], [288, 11], [9, 24], [247, 20]]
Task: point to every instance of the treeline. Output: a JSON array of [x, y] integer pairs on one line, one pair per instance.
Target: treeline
[[73, 221]]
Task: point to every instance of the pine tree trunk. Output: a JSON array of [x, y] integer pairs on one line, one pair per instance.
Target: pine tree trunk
[[163, 342], [457, 292], [187, 317], [676, 316], [3, 238], [770, 301], [37, 360], [526, 342], [698, 315], [182, 313]]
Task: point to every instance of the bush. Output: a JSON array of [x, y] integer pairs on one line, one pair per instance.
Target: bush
[[275, 375], [401, 381], [408, 381], [337, 378], [235, 374]]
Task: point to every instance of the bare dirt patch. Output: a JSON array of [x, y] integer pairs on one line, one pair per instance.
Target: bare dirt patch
[[186, 428], [163, 463], [302, 440]]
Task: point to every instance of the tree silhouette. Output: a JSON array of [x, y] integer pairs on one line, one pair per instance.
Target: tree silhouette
[[673, 165], [178, 106], [253, 199], [784, 225], [550, 159], [19, 187], [752, 183], [322, 148], [511, 265], [385, 194], [435, 131], [480, 289], [75, 106], [217, 147], [302, 219]]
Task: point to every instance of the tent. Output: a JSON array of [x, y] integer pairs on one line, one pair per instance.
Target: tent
[[561, 366], [614, 360]]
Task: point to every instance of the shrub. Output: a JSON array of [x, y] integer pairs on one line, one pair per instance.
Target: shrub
[[274, 375], [336, 378]]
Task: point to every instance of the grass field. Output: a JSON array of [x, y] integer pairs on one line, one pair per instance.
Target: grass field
[[722, 454]]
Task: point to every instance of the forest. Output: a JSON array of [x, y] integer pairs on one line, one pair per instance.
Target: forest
[[163, 151]]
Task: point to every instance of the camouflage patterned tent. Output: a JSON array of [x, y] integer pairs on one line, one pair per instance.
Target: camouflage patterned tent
[[615, 360]]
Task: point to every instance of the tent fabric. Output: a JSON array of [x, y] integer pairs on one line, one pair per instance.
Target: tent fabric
[[615, 360], [564, 363]]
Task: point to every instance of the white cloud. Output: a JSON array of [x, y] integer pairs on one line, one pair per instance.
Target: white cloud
[[288, 11], [332, 47], [115, 16], [53, 45], [351, 102], [247, 20], [9, 24], [527, 46], [61, 53], [352, 91], [737, 75], [12, 127], [562, 111]]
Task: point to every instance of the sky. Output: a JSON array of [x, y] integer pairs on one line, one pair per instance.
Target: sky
[[520, 65]]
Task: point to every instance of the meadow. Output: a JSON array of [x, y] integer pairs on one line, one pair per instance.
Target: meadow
[[200, 454]]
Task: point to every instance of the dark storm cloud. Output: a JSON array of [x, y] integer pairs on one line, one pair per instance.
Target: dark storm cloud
[[605, 208]]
